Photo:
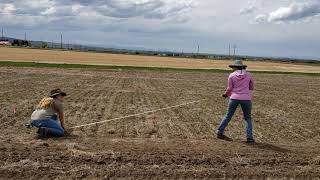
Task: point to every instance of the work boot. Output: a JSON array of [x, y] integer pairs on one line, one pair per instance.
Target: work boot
[[250, 141], [221, 136], [28, 125], [43, 132]]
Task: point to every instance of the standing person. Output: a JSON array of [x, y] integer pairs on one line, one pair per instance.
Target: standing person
[[49, 115], [240, 83]]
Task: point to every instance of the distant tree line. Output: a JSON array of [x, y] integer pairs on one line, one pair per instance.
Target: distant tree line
[[20, 43]]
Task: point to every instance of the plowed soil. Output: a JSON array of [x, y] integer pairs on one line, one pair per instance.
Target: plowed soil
[[176, 143]]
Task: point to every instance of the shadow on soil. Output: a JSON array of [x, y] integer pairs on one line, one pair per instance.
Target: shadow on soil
[[270, 147]]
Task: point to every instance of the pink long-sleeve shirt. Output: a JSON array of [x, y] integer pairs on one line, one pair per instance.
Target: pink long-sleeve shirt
[[240, 85]]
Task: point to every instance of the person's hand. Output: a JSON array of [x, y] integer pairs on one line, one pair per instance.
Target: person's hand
[[225, 95], [67, 132]]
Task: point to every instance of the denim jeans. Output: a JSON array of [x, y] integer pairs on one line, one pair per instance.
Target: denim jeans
[[246, 108], [52, 124]]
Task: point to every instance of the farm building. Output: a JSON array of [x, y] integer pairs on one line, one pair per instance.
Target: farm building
[[5, 43]]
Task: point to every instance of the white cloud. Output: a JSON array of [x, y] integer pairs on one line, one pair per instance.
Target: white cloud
[[155, 9], [7, 9], [251, 8], [47, 13], [248, 10], [261, 18], [293, 12]]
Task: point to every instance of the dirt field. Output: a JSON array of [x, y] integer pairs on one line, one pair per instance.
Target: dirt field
[[174, 143], [56, 56]]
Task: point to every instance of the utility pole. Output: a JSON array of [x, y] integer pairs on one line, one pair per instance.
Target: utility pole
[[234, 50], [198, 49], [229, 50], [61, 42], [1, 33]]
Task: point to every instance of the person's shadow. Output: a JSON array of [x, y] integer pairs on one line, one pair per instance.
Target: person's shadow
[[266, 146]]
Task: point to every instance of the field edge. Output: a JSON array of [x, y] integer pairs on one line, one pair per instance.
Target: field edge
[[135, 68]]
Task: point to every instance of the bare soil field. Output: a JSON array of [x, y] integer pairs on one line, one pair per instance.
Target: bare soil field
[[57, 56], [176, 143]]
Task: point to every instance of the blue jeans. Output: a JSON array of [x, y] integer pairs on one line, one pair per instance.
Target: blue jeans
[[246, 107], [52, 124]]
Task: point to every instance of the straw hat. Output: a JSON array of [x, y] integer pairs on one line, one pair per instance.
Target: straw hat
[[237, 63], [56, 92]]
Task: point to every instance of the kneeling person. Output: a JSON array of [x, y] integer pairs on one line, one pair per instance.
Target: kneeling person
[[49, 116]]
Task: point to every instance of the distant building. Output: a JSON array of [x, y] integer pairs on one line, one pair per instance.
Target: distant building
[[5, 43]]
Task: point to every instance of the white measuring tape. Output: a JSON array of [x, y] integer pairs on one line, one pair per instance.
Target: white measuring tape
[[139, 114]]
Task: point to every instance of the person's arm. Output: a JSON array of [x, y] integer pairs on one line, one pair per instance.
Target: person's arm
[[251, 84], [60, 111], [228, 91], [61, 118]]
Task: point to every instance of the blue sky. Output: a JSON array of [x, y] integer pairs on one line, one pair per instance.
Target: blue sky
[[263, 28]]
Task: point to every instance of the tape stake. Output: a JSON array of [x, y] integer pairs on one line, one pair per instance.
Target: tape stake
[[14, 109]]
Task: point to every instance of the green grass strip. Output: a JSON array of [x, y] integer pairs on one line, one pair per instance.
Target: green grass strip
[[134, 68]]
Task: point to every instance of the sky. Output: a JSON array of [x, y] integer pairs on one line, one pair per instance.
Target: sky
[[276, 28]]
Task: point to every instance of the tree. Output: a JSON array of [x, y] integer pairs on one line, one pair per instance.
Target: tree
[[25, 43], [16, 43], [44, 45]]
